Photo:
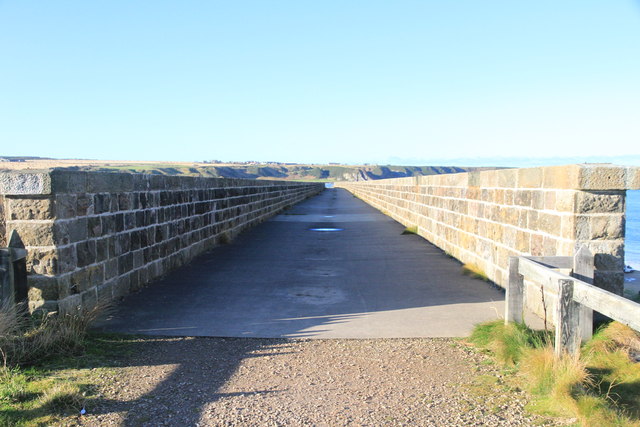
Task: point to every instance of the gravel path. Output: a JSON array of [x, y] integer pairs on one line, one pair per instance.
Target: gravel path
[[273, 382]]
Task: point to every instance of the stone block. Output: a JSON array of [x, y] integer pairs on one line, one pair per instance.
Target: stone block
[[72, 231], [108, 225], [523, 197], [568, 227], [633, 178], [65, 206], [538, 199], [473, 179], [489, 178], [80, 281], [105, 291], [125, 263], [33, 234], [610, 281], [549, 200], [42, 262], [84, 205], [532, 220], [129, 220], [607, 227], [25, 183], [135, 239], [66, 181], [3, 224], [67, 259], [600, 202], [614, 248], [101, 203], [140, 219], [111, 268], [96, 274], [94, 226], [100, 182], [565, 201], [561, 177], [64, 286], [507, 178], [70, 305], [529, 177], [138, 258], [550, 246], [102, 249], [134, 279], [122, 244], [89, 299], [549, 223], [583, 229], [86, 252], [43, 288], [522, 242], [30, 208], [608, 262], [602, 177], [124, 201]]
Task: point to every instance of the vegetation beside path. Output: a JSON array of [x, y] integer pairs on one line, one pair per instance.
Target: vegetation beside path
[[54, 369], [598, 387], [121, 379]]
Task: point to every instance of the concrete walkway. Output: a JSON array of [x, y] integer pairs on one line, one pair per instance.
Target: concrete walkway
[[283, 279]]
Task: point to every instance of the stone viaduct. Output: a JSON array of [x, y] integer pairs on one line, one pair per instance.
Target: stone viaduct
[[92, 235], [483, 218]]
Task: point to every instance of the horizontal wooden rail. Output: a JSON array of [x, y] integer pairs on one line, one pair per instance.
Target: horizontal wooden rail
[[614, 306], [576, 298]]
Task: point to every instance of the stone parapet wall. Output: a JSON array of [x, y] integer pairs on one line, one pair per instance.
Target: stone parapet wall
[[483, 218], [97, 236]]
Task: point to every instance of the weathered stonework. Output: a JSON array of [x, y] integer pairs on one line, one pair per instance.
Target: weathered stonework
[[94, 236], [482, 218]]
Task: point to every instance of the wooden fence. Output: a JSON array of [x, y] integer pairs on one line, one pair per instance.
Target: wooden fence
[[576, 300]]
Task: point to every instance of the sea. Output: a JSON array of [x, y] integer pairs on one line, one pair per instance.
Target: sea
[[632, 238]]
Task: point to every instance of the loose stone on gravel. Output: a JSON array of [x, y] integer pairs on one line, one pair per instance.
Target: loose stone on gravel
[[277, 382]]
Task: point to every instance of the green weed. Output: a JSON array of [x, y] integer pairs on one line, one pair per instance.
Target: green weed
[[474, 272], [599, 386], [411, 230]]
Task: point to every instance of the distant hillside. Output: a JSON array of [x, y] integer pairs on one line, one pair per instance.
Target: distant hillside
[[288, 172], [250, 170]]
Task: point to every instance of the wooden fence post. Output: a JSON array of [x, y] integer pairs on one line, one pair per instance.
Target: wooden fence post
[[514, 306], [583, 270], [567, 320], [6, 273]]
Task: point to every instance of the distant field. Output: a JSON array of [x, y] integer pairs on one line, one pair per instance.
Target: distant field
[[275, 171]]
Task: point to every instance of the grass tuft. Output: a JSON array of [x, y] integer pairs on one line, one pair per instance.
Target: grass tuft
[[507, 342], [37, 383], [224, 238], [599, 386], [411, 230], [25, 340], [474, 272], [63, 398]]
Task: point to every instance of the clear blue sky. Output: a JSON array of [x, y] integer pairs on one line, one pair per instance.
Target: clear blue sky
[[320, 81]]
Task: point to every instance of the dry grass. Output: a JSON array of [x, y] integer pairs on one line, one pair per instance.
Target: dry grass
[[63, 398], [26, 339], [474, 272], [411, 230], [556, 381], [599, 387]]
